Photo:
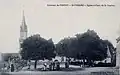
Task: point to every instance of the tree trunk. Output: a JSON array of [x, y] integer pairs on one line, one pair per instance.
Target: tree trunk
[[83, 62], [35, 66], [67, 63]]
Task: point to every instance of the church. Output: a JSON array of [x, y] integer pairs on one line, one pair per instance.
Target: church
[[23, 36], [23, 31]]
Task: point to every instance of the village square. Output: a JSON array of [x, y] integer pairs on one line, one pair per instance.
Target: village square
[[71, 55]]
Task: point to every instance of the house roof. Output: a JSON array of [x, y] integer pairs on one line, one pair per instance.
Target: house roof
[[10, 54]]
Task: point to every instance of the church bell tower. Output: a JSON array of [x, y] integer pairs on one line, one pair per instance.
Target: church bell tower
[[23, 30]]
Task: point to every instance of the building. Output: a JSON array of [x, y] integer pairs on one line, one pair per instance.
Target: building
[[23, 36], [6, 55], [118, 52], [23, 31], [109, 56], [1, 57]]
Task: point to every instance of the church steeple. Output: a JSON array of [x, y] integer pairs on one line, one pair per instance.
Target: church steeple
[[23, 26], [23, 29], [23, 20]]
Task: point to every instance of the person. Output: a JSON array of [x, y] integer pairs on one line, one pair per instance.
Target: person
[[12, 67], [45, 66], [53, 65], [29, 64], [67, 64], [57, 65], [62, 59], [8, 67]]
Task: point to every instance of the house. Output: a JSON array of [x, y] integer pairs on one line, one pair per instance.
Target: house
[[108, 58], [6, 56]]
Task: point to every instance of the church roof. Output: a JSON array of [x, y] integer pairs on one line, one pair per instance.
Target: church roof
[[11, 54]]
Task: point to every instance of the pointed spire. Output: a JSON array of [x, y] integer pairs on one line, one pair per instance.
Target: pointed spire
[[23, 26], [23, 20]]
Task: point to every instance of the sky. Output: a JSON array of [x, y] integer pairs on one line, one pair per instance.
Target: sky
[[56, 22]]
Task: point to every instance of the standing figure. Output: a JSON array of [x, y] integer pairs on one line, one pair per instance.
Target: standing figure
[[62, 59], [57, 65], [53, 65], [29, 64], [45, 66], [67, 64], [12, 67]]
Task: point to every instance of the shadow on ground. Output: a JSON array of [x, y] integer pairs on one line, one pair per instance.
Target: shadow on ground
[[3, 73], [71, 69], [61, 69]]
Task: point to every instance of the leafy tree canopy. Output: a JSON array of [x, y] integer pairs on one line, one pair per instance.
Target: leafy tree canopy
[[87, 45], [36, 47]]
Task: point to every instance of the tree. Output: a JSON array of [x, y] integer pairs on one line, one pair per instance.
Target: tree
[[36, 48], [87, 45], [92, 47], [66, 47]]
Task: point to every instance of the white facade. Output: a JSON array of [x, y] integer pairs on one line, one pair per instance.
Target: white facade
[[1, 58], [109, 56], [118, 55]]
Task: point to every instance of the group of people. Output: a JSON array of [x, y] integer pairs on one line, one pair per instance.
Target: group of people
[[9, 67], [51, 65], [54, 65], [13, 65]]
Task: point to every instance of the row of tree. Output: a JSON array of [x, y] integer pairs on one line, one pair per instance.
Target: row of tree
[[87, 45]]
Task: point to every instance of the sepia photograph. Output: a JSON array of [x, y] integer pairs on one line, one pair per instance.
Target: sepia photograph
[[59, 37]]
